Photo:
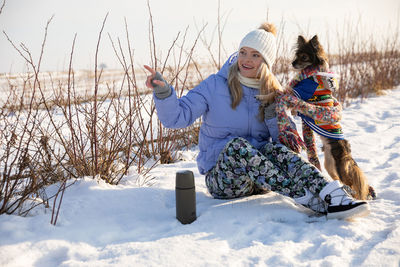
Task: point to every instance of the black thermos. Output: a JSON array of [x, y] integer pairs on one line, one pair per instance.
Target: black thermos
[[185, 195]]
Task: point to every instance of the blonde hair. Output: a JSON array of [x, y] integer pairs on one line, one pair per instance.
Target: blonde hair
[[268, 83], [235, 88]]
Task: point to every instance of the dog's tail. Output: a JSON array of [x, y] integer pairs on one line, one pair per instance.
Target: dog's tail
[[348, 170]]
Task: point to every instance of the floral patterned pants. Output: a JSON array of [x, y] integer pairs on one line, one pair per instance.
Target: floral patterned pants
[[242, 170]]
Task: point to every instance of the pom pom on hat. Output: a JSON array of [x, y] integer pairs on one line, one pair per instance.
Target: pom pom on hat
[[264, 41]]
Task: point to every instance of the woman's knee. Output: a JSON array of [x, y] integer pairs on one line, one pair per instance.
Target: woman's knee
[[222, 187]]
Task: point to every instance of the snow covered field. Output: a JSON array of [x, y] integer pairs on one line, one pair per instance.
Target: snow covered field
[[54, 83], [124, 225]]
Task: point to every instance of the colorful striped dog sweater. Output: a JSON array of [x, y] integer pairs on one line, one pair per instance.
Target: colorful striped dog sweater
[[325, 83]]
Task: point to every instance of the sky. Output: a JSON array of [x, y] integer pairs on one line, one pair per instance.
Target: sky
[[24, 22]]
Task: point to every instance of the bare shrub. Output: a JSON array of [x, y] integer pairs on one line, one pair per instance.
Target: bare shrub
[[366, 64], [95, 137], [154, 140], [25, 162]]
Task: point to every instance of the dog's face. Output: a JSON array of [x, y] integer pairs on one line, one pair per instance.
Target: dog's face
[[309, 53]]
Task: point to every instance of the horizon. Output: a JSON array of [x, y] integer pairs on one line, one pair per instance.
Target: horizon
[[374, 18]]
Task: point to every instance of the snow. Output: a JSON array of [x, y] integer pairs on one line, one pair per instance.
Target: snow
[[127, 225]]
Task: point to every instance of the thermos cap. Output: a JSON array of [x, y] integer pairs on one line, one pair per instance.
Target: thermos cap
[[184, 179]]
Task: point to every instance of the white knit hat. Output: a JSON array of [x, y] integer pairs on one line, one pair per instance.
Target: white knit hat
[[262, 41]]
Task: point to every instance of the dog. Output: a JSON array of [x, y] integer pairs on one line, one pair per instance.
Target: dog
[[320, 113], [338, 162]]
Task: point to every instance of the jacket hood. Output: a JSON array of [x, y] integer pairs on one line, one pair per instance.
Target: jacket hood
[[225, 68]]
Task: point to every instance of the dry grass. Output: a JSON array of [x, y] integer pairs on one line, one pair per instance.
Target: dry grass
[[51, 132]]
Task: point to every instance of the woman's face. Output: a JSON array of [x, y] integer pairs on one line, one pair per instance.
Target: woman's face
[[249, 61]]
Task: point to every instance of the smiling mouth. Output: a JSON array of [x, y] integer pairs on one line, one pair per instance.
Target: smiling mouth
[[247, 67]]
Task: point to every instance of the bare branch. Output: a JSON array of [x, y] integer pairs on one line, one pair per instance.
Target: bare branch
[[2, 6], [95, 114], [152, 38]]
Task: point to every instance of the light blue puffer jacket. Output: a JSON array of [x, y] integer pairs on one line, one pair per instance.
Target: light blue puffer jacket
[[220, 123]]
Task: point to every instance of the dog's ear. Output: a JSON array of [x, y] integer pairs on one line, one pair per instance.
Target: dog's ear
[[314, 41], [301, 40]]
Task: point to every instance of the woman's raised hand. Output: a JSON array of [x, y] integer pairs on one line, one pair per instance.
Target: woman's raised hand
[[156, 82], [152, 80]]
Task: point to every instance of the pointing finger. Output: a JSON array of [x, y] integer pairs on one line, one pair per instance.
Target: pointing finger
[[153, 72]]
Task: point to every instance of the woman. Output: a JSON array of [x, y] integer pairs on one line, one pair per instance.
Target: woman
[[239, 153]]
